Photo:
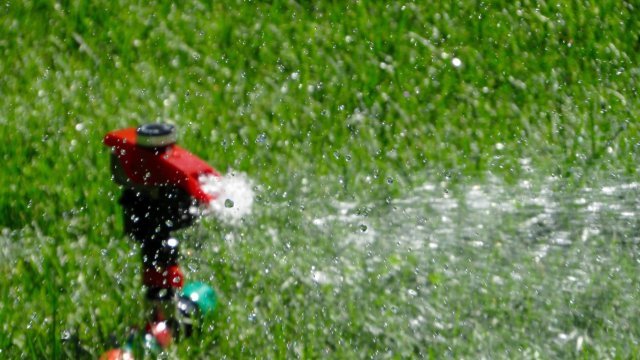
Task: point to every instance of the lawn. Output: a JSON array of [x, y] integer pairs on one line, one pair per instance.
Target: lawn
[[375, 133]]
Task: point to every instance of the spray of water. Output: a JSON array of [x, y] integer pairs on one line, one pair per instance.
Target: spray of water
[[233, 196]]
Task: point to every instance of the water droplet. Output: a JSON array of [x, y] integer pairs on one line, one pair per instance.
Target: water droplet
[[163, 293], [456, 62], [261, 138], [363, 228], [389, 180], [252, 317], [228, 203]]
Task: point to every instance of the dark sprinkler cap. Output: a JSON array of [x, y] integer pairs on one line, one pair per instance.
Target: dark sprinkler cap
[[156, 135]]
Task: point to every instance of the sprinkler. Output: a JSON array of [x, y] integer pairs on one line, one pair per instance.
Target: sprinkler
[[162, 193]]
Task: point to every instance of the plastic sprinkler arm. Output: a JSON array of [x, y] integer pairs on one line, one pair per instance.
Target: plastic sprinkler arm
[[167, 165]]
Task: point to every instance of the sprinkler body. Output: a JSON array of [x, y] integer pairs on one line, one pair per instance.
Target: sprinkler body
[[161, 193]]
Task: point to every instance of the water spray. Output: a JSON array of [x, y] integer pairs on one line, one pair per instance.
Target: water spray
[[162, 191]]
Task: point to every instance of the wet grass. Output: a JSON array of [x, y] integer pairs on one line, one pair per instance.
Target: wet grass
[[321, 102]]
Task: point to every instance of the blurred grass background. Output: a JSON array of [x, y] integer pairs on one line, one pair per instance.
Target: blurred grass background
[[355, 96]]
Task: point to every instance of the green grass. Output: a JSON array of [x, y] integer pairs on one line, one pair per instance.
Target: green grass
[[360, 101]]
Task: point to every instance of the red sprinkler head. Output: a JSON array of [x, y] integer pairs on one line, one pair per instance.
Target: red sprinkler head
[[148, 157]]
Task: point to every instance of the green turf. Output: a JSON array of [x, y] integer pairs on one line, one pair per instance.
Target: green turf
[[320, 102]]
